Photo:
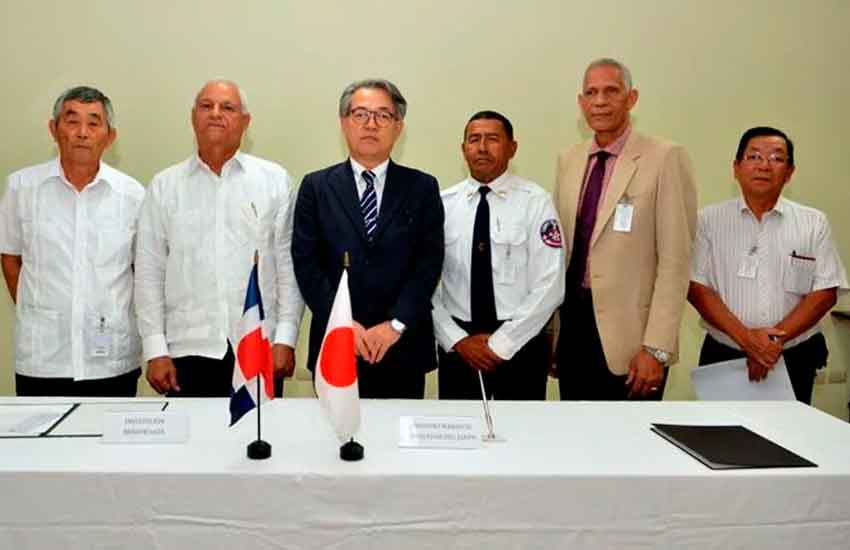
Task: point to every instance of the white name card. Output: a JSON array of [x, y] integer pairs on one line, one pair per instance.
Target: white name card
[[145, 427], [439, 432]]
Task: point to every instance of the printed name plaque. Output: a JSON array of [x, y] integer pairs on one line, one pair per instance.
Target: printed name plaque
[[440, 432], [145, 427]]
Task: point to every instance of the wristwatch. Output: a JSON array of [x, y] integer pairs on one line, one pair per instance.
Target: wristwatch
[[660, 355], [398, 326]]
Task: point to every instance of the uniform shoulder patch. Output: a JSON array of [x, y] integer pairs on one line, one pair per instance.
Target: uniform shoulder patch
[[550, 233]]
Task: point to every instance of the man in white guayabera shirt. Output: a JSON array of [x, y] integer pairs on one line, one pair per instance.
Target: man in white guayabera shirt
[[66, 241], [201, 222], [765, 269]]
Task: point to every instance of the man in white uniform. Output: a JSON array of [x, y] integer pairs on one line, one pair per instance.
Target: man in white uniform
[[765, 269], [503, 274], [201, 222], [66, 242]]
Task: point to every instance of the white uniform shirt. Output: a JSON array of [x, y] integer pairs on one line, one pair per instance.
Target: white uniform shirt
[[74, 315], [761, 271], [197, 236], [527, 256]]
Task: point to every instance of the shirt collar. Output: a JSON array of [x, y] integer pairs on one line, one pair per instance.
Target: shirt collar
[[614, 148], [196, 163], [104, 173], [380, 170], [780, 207], [498, 187]]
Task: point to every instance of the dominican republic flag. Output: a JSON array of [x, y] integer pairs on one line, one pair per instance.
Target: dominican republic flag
[[336, 367], [253, 355]]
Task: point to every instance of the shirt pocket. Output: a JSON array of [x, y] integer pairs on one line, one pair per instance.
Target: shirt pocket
[[41, 340], [508, 254], [254, 230], [185, 231], [798, 274], [113, 247]]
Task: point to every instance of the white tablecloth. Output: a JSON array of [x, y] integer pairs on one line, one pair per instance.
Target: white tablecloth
[[569, 475]]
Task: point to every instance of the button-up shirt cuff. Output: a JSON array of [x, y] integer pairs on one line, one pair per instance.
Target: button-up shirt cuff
[[286, 333], [502, 346], [701, 279], [449, 335], [154, 346]]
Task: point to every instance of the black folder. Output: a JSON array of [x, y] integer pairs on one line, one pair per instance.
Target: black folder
[[730, 447]]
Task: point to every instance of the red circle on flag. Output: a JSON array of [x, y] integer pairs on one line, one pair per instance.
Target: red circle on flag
[[339, 368]]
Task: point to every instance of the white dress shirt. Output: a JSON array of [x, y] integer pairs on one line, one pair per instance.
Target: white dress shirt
[[528, 273], [74, 315], [380, 172], [197, 235], [761, 271]]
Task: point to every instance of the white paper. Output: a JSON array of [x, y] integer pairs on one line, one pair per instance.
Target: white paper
[[29, 420], [728, 381]]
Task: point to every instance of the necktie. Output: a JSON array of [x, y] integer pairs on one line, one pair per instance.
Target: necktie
[[585, 222], [369, 204], [482, 299]]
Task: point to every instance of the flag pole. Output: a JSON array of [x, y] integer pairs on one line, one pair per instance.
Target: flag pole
[[350, 451], [259, 406], [259, 449]]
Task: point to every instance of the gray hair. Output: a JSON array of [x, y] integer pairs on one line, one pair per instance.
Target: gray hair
[[611, 62], [398, 100], [243, 97], [84, 94]]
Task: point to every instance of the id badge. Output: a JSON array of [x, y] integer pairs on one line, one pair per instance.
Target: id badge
[[749, 266], [623, 216], [507, 276], [101, 341]]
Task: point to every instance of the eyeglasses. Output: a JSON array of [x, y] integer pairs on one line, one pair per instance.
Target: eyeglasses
[[757, 158], [361, 116]]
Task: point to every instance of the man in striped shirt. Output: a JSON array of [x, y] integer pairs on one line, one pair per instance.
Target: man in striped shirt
[[765, 269]]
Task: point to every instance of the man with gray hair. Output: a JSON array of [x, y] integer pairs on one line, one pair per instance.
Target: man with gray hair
[[201, 222], [627, 204], [389, 220], [66, 242]]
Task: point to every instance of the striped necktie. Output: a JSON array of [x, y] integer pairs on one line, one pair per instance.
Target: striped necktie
[[369, 204]]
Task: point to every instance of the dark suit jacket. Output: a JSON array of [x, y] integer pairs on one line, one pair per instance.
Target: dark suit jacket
[[394, 277]]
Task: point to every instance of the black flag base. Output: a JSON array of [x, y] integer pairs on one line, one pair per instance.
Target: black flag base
[[259, 450], [351, 451]]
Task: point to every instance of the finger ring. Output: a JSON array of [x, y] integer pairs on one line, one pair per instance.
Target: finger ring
[[653, 388]]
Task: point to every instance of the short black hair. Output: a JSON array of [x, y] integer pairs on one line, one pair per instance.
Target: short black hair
[[491, 115], [761, 131]]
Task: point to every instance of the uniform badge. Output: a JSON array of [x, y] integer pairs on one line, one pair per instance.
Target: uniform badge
[[550, 233]]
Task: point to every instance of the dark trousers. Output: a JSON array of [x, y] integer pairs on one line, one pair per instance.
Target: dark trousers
[[389, 381], [583, 373], [802, 361], [123, 385], [521, 378], [200, 376]]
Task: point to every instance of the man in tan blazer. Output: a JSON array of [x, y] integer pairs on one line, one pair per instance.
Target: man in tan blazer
[[627, 204]]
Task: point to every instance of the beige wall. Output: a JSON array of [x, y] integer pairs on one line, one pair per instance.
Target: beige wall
[[705, 70]]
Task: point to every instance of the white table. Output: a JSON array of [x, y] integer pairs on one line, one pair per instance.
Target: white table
[[570, 475]]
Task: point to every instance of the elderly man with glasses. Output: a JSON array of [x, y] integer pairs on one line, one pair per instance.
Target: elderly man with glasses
[[388, 219], [765, 269]]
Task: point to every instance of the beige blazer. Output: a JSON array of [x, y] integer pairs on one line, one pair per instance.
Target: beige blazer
[[639, 279]]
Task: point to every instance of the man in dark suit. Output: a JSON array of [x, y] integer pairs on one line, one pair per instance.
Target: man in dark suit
[[389, 218]]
